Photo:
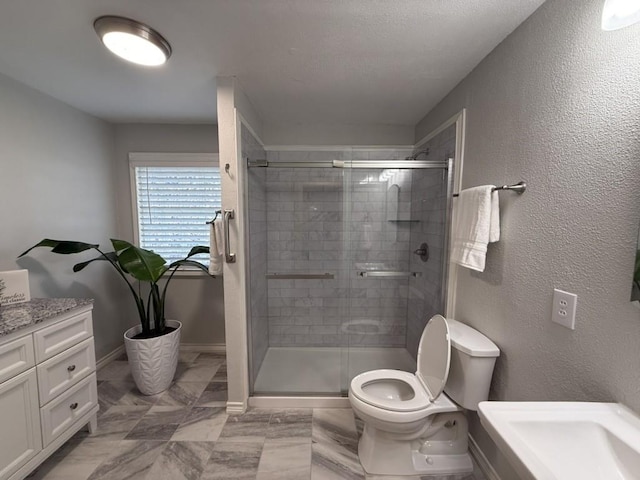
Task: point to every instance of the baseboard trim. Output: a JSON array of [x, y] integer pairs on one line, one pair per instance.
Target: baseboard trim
[[109, 357], [299, 402], [184, 347], [203, 347], [236, 407], [482, 461]]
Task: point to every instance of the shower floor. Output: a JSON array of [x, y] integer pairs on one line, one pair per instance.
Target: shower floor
[[323, 370]]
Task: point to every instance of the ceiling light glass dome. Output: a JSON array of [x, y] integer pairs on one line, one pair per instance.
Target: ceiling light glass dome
[[618, 14], [132, 40]]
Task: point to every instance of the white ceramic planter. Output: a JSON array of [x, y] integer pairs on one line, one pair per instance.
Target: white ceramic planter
[[153, 361]]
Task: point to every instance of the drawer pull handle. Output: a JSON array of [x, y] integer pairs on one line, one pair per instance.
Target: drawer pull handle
[[73, 406], [71, 368]]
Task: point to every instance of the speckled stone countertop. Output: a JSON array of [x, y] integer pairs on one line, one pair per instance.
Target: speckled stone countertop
[[21, 315]]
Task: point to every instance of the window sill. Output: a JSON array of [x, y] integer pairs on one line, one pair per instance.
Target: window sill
[[187, 273]]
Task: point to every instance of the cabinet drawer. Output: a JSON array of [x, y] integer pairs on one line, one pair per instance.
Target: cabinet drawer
[[66, 369], [16, 357], [62, 412], [58, 337]]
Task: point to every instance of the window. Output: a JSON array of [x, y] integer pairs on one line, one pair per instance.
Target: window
[[174, 195]]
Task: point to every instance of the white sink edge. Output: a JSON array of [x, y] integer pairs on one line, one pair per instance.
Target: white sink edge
[[497, 416]]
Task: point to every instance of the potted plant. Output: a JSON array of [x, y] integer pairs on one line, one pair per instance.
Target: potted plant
[[152, 346]]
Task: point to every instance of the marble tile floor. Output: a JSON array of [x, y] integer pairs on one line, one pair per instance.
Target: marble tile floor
[[185, 433]]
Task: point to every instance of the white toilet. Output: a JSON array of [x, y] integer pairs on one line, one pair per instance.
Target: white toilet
[[410, 426]]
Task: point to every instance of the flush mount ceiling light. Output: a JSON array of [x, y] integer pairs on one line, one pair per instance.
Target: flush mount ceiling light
[[618, 14], [133, 41]]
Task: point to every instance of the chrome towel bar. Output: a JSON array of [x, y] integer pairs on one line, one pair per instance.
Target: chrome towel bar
[[388, 274], [519, 188], [300, 276]]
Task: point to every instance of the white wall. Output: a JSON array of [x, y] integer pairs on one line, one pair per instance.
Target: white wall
[[336, 134], [196, 301], [57, 181], [232, 105], [557, 105]]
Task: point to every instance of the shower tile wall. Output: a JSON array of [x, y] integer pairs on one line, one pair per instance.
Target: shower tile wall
[[428, 205], [380, 234], [306, 213], [257, 227]]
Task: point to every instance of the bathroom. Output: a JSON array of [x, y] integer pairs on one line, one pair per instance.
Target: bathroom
[[554, 104]]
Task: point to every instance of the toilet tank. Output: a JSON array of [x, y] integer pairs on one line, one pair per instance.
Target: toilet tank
[[473, 357]]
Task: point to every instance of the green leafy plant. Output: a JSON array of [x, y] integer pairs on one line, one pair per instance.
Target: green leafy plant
[[138, 263]]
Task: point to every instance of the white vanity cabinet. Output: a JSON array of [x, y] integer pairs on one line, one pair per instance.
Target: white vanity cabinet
[[48, 388]]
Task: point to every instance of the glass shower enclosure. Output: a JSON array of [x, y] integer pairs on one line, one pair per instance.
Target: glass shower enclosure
[[347, 264]]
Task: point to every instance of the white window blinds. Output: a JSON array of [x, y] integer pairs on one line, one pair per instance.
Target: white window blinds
[[173, 205]]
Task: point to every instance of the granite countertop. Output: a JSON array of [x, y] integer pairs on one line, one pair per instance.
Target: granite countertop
[[21, 315]]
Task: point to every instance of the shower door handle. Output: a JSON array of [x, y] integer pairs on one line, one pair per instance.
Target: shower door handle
[[229, 257]]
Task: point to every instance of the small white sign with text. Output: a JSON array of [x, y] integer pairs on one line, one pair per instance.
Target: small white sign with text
[[14, 287]]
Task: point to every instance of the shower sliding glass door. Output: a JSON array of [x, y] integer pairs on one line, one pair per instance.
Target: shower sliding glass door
[[334, 285], [398, 217]]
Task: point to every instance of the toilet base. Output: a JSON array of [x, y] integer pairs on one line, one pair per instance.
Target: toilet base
[[442, 451]]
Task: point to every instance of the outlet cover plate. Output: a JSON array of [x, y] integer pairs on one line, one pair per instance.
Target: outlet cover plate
[[564, 308]]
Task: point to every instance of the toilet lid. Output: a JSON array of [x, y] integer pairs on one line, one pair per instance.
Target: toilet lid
[[434, 356]]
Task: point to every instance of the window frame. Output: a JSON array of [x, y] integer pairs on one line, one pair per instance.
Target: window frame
[[165, 159]]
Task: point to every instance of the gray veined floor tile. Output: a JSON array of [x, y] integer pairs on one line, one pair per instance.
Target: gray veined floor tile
[[212, 359], [131, 460], [75, 460], [116, 422], [182, 393], [201, 424], [113, 392], [214, 395], [110, 393], [221, 374], [285, 461], [233, 461], [335, 426], [181, 461], [187, 357], [293, 425], [394, 477], [55, 469], [195, 373], [334, 462], [249, 427], [159, 423], [115, 371], [335, 445]]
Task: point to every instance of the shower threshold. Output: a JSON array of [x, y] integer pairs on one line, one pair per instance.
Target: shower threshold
[[322, 371]]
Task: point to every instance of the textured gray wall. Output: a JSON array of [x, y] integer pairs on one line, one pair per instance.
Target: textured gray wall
[[556, 104], [196, 301], [57, 181]]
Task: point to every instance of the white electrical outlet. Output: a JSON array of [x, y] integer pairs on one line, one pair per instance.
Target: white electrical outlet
[[564, 308]]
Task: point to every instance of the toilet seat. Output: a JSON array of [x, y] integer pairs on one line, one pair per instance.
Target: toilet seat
[[427, 384], [419, 401]]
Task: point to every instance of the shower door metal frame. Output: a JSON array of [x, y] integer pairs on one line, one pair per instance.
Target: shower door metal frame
[[390, 163]]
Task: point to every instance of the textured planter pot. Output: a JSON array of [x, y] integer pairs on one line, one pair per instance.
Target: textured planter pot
[[153, 361]]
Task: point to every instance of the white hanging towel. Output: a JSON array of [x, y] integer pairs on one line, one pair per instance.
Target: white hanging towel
[[477, 224], [216, 247]]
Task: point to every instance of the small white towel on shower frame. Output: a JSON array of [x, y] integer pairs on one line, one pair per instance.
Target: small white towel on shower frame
[[476, 225], [216, 247]]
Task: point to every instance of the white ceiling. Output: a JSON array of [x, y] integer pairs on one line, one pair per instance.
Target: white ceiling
[[299, 61]]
